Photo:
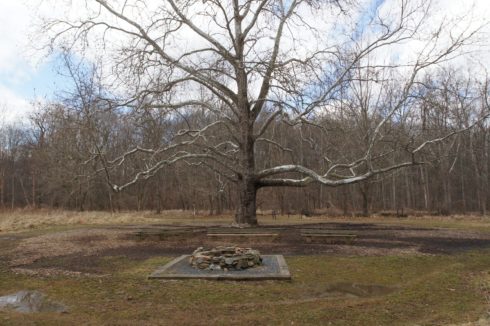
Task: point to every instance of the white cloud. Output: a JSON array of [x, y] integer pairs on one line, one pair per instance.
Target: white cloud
[[12, 106], [14, 62], [453, 18], [15, 66], [18, 59]]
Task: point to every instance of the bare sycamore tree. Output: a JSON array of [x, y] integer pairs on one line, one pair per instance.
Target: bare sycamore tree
[[243, 66]]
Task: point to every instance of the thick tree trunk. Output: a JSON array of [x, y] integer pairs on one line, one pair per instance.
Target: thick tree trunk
[[246, 212], [247, 184]]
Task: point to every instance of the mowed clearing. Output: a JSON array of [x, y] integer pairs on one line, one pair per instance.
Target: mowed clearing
[[424, 271]]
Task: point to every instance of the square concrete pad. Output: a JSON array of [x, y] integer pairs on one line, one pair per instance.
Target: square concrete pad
[[273, 267]]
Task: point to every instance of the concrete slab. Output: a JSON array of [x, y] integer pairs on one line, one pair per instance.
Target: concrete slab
[[273, 267]]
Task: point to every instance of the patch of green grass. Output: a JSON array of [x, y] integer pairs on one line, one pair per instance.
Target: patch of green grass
[[424, 290]]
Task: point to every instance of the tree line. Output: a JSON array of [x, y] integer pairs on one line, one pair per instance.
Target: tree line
[[65, 154], [293, 106]]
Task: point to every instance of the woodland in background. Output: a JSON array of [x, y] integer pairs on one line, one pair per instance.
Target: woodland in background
[[46, 162]]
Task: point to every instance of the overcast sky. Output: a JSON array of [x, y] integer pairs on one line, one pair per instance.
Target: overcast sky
[[24, 77]]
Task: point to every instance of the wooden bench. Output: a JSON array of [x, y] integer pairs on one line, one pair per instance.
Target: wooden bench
[[164, 234], [233, 230], [328, 236], [243, 236]]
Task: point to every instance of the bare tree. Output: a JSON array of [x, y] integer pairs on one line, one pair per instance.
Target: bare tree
[[248, 64]]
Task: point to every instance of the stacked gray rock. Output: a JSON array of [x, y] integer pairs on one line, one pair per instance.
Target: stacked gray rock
[[225, 258]]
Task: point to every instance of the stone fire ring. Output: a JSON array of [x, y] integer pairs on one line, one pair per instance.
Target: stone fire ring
[[273, 267]]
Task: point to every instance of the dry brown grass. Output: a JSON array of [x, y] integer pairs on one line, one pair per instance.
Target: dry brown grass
[[19, 220], [26, 219], [68, 242]]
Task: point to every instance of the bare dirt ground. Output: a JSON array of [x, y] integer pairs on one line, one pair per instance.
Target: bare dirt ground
[[83, 251]]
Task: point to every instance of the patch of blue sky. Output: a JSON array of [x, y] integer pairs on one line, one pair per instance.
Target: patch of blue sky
[[334, 71], [366, 18], [42, 81]]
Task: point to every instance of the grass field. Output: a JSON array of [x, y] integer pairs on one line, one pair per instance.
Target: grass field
[[21, 220], [436, 290], [327, 289]]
